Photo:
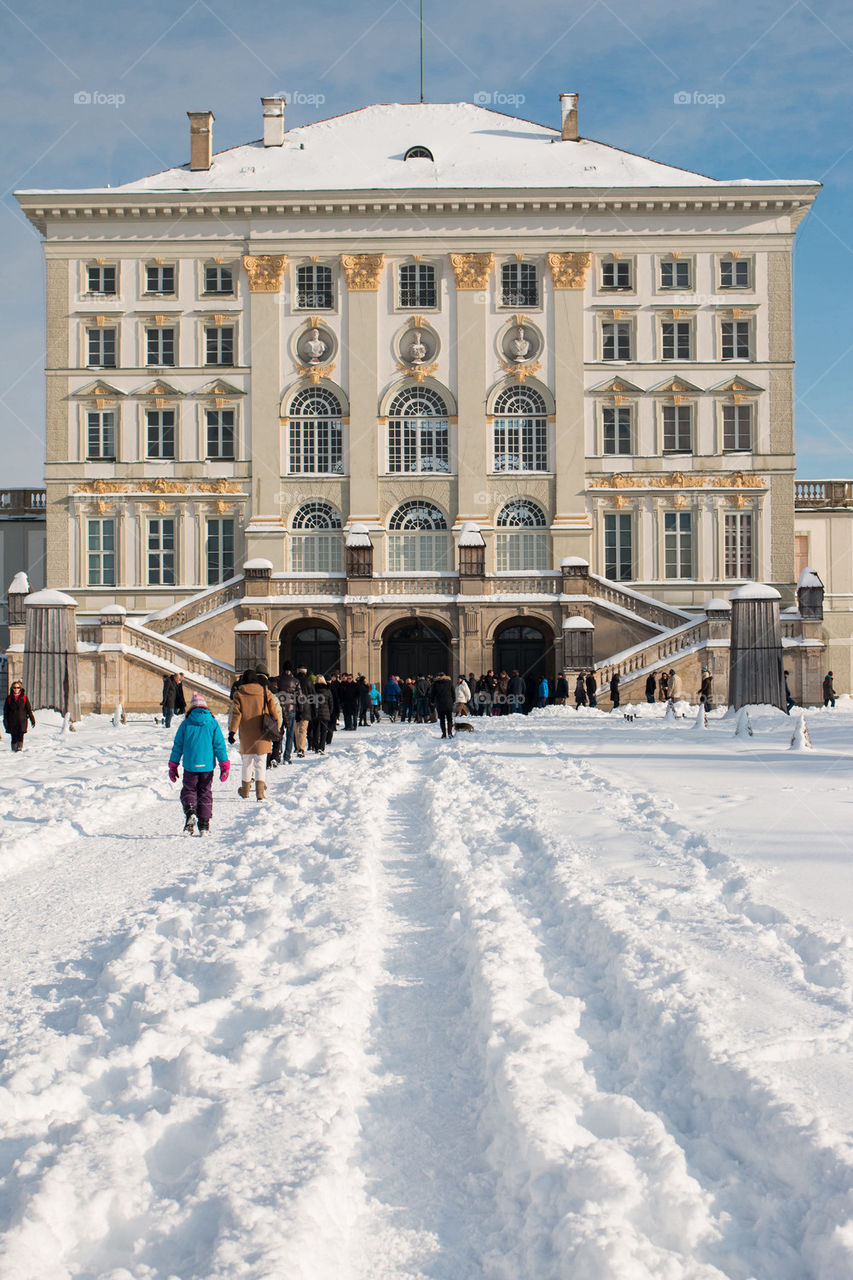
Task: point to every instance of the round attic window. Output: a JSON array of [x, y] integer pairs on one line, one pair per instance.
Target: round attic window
[[419, 153]]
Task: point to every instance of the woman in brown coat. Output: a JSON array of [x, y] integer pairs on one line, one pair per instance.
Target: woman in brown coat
[[251, 701]]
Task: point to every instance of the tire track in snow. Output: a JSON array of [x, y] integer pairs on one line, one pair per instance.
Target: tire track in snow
[[188, 1104], [652, 1041]]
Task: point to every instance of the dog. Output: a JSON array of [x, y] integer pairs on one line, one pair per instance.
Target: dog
[[628, 717], [462, 724]]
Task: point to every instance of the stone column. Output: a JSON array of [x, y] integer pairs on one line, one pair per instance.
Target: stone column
[[472, 273], [250, 644], [111, 678], [265, 530], [572, 527], [363, 273], [578, 644]]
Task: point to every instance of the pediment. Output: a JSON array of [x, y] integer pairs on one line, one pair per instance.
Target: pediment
[[676, 387], [617, 387], [97, 390], [159, 390], [219, 388], [737, 386]]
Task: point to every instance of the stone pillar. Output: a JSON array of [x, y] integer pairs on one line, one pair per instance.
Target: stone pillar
[[265, 530], [575, 571], [716, 658], [755, 676], [250, 644], [809, 596], [257, 574], [572, 526], [472, 273], [472, 561], [50, 653], [363, 273], [110, 683], [578, 644]]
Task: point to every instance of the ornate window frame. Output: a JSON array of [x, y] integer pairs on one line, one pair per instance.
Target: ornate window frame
[[300, 264], [616, 258], [418, 260]]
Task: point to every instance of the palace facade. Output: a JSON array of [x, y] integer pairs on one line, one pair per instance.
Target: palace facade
[[415, 387]]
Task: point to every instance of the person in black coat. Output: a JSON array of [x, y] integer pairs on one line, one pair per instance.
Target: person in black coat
[[173, 701], [17, 714], [614, 689], [348, 698], [442, 696], [591, 689], [580, 691], [363, 699], [561, 690], [651, 687], [322, 710]]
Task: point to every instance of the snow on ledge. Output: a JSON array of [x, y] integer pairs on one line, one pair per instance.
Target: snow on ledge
[[251, 624], [809, 578], [578, 624], [49, 597], [471, 536], [755, 591], [717, 605], [358, 535], [20, 585], [258, 563], [574, 562]]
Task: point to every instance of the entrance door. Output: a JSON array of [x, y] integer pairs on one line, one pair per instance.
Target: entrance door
[[416, 649], [522, 649], [315, 648]]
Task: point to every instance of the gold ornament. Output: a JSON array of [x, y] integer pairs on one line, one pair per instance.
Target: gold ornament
[[265, 273], [472, 270], [363, 270], [568, 270]]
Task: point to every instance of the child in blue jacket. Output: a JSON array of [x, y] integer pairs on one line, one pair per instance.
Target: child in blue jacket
[[199, 740]]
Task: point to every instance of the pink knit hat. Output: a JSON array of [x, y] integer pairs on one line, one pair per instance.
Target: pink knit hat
[[197, 701]]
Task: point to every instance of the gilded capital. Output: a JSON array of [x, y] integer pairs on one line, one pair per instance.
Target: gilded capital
[[363, 270], [568, 270], [265, 273], [472, 270]]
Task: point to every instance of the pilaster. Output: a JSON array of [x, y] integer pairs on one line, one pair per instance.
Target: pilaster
[[472, 273], [363, 272], [572, 528], [265, 530]]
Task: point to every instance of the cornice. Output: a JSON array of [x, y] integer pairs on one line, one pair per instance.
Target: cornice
[[779, 199]]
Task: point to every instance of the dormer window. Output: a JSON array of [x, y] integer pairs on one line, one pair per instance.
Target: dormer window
[[419, 153]]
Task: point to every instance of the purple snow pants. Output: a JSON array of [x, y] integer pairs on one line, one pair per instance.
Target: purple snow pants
[[197, 794]]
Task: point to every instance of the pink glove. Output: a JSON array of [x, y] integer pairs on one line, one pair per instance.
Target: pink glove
[[173, 771], [224, 770]]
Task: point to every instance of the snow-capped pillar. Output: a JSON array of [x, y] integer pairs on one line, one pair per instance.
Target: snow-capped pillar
[[50, 653], [19, 589], [111, 670], [250, 644], [265, 530], [572, 526], [755, 676], [472, 273], [578, 643], [363, 272]]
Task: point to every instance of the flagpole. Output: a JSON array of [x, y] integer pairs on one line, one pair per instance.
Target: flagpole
[[421, 6]]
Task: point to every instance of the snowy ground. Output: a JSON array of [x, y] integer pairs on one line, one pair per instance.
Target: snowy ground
[[567, 998]]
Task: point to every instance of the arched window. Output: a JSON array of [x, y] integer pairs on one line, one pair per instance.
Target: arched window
[[418, 541], [418, 431], [520, 430], [315, 433], [418, 153], [316, 545], [524, 544]]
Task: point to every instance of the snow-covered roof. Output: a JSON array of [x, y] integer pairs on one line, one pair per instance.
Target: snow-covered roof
[[20, 584], [578, 624], [112, 611], [717, 605], [358, 535], [49, 597], [471, 535], [251, 624], [754, 591], [809, 578], [574, 562], [258, 563], [472, 146]]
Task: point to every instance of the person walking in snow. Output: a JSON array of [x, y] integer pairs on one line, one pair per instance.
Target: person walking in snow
[[663, 687], [375, 704], [614, 689], [199, 742], [591, 689], [561, 690], [829, 694], [173, 700], [251, 702], [288, 691], [580, 691], [651, 687], [705, 689], [18, 715], [322, 711], [676, 687], [441, 697], [789, 697], [544, 692], [391, 695], [463, 696]]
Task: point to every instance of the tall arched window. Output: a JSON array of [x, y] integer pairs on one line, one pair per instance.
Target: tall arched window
[[316, 544], [520, 430], [418, 431], [315, 433], [522, 539], [418, 541]]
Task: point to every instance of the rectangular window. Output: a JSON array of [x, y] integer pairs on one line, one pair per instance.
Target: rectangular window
[[314, 288], [677, 428], [678, 544], [519, 285], [737, 427], [161, 552], [160, 433], [160, 347], [418, 444], [316, 446], [615, 340], [801, 554], [618, 547], [159, 279], [675, 273], [738, 544], [617, 274], [617, 430], [101, 553], [101, 279], [317, 552], [417, 285], [221, 435], [736, 340], [676, 340], [219, 344], [735, 273], [521, 444], [218, 279], [101, 436], [521, 551], [102, 347], [220, 550], [418, 552]]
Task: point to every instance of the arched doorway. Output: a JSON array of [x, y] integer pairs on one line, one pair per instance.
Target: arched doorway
[[523, 647], [317, 648], [415, 647]]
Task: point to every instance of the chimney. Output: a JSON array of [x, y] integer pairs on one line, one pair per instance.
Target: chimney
[[201, 139], [569, 116], [273, 121]]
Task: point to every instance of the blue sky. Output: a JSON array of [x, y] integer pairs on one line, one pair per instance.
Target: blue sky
[[785, 71]]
